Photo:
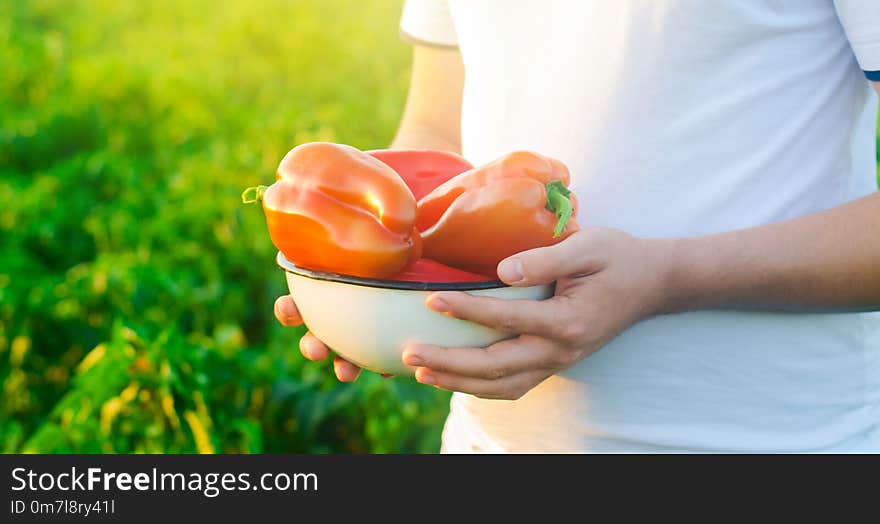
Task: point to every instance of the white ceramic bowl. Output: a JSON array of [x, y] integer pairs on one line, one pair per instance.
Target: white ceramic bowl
[[370, 322]]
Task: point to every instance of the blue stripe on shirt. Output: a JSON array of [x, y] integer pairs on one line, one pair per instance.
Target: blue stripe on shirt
[[873, 75]]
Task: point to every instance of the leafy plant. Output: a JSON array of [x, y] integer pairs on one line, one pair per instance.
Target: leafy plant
[[135, 292]]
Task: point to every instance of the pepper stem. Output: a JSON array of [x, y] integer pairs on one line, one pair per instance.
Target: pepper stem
[[559, 202], [256, 191]]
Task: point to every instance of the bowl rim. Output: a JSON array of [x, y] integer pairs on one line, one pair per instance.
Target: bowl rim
[[290, 267]]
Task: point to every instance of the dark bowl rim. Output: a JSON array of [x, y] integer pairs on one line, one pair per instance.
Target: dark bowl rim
[[289, 267]]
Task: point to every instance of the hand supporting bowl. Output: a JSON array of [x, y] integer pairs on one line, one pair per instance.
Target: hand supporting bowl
[[370, 322]]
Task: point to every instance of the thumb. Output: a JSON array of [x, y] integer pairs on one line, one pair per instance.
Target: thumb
[[544, 265]]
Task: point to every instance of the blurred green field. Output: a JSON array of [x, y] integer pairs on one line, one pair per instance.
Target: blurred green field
[[135, 290]]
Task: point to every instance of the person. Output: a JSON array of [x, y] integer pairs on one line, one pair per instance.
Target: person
[[720, 296]]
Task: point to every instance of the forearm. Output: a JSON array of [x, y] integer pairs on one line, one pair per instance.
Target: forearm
[[824, 261], [432, 116]]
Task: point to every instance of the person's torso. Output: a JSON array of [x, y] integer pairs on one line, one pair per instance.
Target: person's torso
[[680, 118]]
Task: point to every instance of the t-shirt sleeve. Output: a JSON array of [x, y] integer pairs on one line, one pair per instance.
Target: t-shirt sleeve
[[428, 22], [861, 21]]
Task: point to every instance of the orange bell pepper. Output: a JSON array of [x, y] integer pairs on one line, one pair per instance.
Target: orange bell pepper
[[337, 209], [482, 216]]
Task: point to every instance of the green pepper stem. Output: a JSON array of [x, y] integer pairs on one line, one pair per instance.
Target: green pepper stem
[[256, 191], [559, 201]]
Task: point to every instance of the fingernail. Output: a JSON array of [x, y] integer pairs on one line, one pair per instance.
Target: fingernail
[[511, 270], [307, 347], [413, 360], [426, 378], [287, 309], [438, 304]]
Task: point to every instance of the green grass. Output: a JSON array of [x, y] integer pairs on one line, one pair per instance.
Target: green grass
[[135, 290]]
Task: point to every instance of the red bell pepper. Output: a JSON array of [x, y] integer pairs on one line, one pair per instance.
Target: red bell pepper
[[422, 169]]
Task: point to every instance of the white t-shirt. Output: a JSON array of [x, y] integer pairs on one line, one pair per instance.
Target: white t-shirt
[[681, 118]]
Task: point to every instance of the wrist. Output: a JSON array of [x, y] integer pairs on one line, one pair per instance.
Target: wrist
[[673, 274], [697, 275]]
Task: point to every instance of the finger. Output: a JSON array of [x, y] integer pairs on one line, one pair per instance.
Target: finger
[[312, 348], [544, 265], [500, 360], [345, 370], [507, 388], [536, 317], [286, 311]]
